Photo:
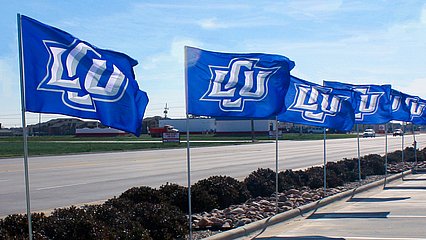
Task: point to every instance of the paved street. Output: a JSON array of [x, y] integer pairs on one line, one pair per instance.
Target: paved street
[[76, 179], [396, 213]]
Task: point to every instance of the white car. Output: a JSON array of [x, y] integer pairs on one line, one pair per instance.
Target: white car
[[369, 133], [398, 132]]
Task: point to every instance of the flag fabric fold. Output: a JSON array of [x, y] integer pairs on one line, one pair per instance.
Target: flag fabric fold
[[400, 109], [315, 105], [375, 105], [251, 85], [65, 75]]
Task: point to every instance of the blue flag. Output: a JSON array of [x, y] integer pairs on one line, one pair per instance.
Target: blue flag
[[247, 85], [68, 76], [417, 108], [312, 104], [375, 105], [400, 109]]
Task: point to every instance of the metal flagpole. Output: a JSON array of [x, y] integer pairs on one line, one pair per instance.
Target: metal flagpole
[[402, 149], [276, 164], [188, 163], [325, 164], [188, 152], [386, 154], [359, 155], [252, 130], [24, 129], [415, 148]]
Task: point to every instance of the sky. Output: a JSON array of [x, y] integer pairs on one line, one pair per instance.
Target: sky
[[358, 42]]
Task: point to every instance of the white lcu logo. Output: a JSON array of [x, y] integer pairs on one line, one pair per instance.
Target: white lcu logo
[[396, 102], [238, 82], [369, 102], [315, 102], [82, 75], [416, 108]]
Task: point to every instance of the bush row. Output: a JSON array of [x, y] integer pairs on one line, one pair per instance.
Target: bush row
[[149, 213]]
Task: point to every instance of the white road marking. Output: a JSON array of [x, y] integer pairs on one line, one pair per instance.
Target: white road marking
[[61, 186]]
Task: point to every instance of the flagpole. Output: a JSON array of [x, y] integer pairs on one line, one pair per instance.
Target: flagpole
[[325, 164], [415, 149], [188, 152], [359, 154], [386, 154], [24, 128], [402, 149], [276, 164]]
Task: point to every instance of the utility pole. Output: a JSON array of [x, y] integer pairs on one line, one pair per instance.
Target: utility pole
[[166, 110]]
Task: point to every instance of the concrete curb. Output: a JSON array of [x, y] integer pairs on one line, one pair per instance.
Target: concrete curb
[[261, 224]]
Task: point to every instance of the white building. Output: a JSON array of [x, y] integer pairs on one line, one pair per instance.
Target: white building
[[220, 126], [196, 125]]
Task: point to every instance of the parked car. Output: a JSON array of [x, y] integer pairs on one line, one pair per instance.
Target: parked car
[[398, 132], [316, 130], [369, 133]]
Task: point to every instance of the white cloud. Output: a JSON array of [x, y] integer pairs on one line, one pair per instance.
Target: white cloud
[[394, 55], [162, 77], [305, 8], [195, 5], [416, 87], [211, 23], [310, 7], [423, 15], [174, 57]]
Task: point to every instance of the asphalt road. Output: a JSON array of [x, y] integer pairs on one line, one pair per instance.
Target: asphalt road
[[76, 179]]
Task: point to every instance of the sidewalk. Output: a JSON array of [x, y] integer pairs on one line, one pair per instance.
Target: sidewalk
[[397, 212]]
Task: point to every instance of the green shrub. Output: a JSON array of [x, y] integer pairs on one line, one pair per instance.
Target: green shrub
[[395, 157], [16, 226], [72, 223], [334, 179], [409, 155], [142, 194], [341, 172], [225, 190], [175, 195], [422, 155], [202, 201], [372, 164], [261, 182], [117, 221], [163, 221], [315, 177], [289, 179], [353, 169]]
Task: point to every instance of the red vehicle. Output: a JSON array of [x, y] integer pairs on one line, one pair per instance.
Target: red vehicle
[[158, 131]]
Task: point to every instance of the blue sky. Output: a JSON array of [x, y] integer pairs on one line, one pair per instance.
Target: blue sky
[[357, 42]]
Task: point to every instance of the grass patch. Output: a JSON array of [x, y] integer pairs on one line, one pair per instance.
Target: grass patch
[[39, 148], [59, 145]]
